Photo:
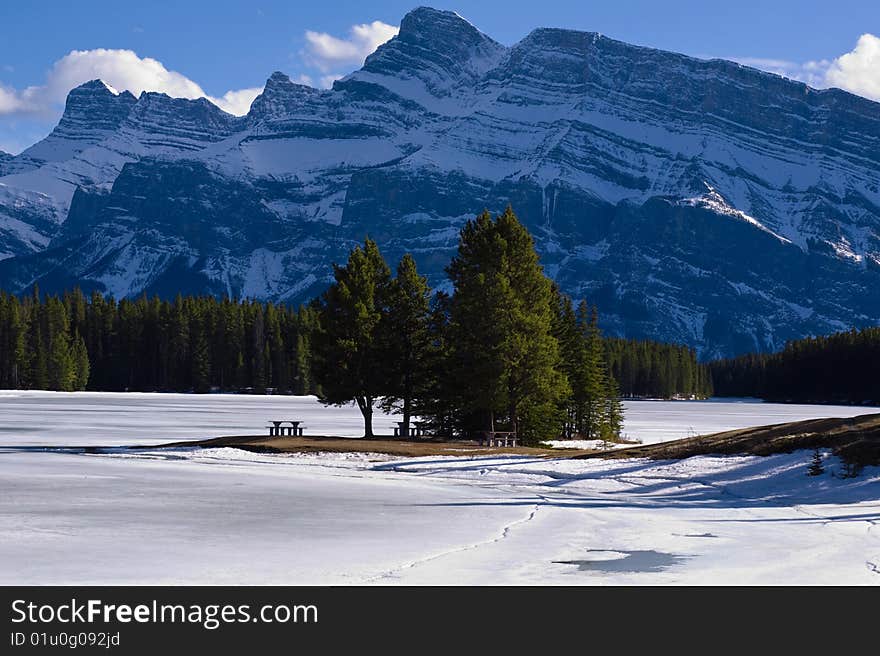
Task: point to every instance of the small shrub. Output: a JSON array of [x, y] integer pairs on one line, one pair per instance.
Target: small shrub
[[816, 468]]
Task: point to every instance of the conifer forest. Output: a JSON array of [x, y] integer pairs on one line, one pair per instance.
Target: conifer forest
[[506, 348]]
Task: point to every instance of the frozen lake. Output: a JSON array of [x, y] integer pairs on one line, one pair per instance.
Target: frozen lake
[[116, 419], [227, 516]]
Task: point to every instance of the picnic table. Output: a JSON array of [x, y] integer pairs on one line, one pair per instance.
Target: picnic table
[[417, 429], [277, 429], [498, 438]]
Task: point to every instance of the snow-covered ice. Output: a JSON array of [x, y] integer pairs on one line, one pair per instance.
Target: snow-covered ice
[[225, 516], [229, 516], [116, 419], [30, 418], [660, 421]]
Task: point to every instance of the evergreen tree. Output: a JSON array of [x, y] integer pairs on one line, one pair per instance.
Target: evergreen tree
[[407, 341], [504, 353], [613, 423], [349, 362], [595, 376], [441, 402], [571, 350], [60, 368], [36, 357], [201, 363], [61, 372], [816, 468], [257, 349], [81, 364]]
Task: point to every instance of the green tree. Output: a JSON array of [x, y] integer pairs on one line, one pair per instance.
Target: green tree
[[60, 368], [407, 340], [505, 356], [816, 468], [81, 364], [349, 360], [571, 350], [613, 421]]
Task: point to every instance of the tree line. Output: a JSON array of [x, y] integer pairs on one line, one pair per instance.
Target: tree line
[[191, 344], [838, 368], [649, 369]]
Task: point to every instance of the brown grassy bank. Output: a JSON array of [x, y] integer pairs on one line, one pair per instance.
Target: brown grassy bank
[[855, 440], [384, 445]]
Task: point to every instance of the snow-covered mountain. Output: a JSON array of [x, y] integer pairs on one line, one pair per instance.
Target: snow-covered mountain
[[694, 201]]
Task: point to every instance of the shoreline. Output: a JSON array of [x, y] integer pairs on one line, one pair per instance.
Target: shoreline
[[854, 439], [385, 445]]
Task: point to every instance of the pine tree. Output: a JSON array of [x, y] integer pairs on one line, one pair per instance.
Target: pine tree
[[441, 402], [571, 350], [60, 369], [349, 362], [81, 364], [505, 356], [201, 363], [406, 341], [302, 378], [60, 365], [613, 423], [257, 359], [816, 468]]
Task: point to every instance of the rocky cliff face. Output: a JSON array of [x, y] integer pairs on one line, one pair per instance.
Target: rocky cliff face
[[696, 201], [5, 158]]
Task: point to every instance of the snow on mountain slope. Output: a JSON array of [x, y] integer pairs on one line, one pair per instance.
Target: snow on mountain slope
[[93, 111], [100, 131], [695, 201]]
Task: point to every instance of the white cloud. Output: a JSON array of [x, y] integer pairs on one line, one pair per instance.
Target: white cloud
[[811, 72], [121, 69], [237, 102], [326, 52], [859, 70], [328, 80], [10, 101]]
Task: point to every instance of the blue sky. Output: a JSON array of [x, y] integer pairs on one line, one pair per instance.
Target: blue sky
[[211, 48]]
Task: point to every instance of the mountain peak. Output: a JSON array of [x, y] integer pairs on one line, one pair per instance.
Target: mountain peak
[[422, 18], [278, 79], [96, 85], [440, 48], [279, 96], [92, 110], [281, 83], [440, 27], [98, 88]]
